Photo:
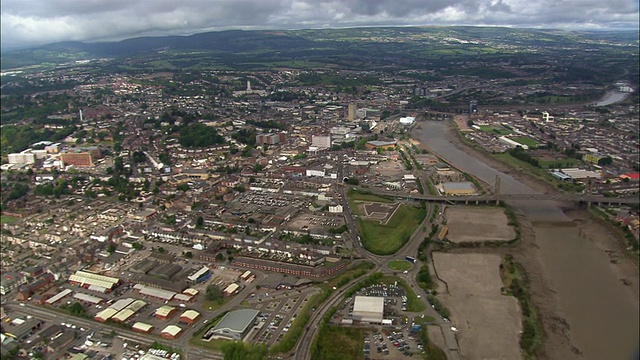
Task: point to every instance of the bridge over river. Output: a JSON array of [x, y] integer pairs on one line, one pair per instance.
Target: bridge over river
[[497, 198]]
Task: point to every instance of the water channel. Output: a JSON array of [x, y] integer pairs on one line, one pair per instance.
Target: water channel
[[601, 311]]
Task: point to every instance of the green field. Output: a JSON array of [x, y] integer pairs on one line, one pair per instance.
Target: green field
[[356, 196], [387, 239], [4, 219], [399, 265], [525, 140], [498, 130], [337, 342]]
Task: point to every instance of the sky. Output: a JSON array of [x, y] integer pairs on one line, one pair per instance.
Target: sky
[[26, 23]]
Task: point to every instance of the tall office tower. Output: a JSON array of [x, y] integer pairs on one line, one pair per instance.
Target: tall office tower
[[248, 85], [473, 107], [351, 115]]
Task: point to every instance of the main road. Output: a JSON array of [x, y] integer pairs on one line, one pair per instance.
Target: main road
[[302, 349]]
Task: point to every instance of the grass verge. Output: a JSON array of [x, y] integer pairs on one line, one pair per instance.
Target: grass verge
[[399, 265], [516, 284]]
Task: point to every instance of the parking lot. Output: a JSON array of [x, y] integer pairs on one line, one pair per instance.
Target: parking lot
[[278, 310], [382, 343]]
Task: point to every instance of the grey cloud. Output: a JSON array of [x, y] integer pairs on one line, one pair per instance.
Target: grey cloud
[[41, 21]]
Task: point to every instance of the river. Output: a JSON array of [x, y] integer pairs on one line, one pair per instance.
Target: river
[[601, 311], [612, 97]]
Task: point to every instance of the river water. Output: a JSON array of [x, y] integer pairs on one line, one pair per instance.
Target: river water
[[602, 313], [612, 97]]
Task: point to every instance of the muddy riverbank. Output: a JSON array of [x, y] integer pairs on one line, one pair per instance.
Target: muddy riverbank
[[584, 285]]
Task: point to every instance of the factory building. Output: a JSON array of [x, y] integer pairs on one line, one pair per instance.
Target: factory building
[[189, 317], [171, 332], [369, 309], [199, 276], [93, 281], [165, 312], [142, 328]]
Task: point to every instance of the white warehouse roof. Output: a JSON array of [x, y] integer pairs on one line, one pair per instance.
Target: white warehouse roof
[[368, 309]]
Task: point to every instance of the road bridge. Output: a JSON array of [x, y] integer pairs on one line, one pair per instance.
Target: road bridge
[[497, 198]]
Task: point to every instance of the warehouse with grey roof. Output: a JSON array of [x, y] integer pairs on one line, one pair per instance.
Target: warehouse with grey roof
[[233, 326]]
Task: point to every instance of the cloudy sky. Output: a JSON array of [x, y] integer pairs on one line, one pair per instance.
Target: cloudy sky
[[35, 22]]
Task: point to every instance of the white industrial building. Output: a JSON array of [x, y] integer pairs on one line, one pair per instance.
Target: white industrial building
[[407, 120], [21, 158], [368, 309], [321, 142], [505, 140]]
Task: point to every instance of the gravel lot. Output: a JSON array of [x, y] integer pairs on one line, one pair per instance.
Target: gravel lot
[[478, 224], [488, 322]]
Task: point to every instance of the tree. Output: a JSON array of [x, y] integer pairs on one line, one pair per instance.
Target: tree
[[213, 293], [188, 254], [77, 309], [243, 351], [199, 222], [111, 248], [352, 181], [219, 257], [137, 246], [605, 161]]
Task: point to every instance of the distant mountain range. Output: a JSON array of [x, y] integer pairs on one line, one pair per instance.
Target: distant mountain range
[[343, 47]]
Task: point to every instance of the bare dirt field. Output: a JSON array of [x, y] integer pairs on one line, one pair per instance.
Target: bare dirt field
[[488, 322], [436, 337], [478, 224]]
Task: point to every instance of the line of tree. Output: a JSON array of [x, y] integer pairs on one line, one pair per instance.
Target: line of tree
[[519, 153]]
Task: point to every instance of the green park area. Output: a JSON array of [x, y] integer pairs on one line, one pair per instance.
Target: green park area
[[399, 265], [525, 140], [497, 130], [388, 238], [385, 239], [4, 219]]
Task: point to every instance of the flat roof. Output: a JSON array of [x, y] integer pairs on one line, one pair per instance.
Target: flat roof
[[237, 321], [369, 304]]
